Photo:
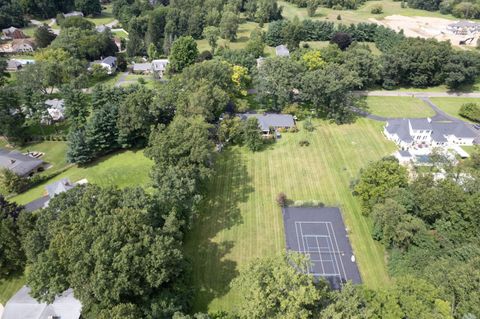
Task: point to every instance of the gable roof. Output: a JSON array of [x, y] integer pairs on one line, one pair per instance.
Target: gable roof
[[73, 14], [109, 60], [282, 50], [458, 129], [59, 187], [142, 67], [420, 124], [18, 42], [268, 120], [13, 65], [55, 103], [400, 128], [23, 306], [160, 64], [17, 162]]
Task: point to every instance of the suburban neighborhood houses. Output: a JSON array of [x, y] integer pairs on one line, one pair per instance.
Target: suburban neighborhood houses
[[239, 159]]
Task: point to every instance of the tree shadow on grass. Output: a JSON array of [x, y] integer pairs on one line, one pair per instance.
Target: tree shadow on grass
[[220, 211]]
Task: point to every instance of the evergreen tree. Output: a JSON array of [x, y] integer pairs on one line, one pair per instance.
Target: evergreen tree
[[79, 149]]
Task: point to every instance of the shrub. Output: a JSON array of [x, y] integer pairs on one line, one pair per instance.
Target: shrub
[[293, 129], [308, 126], [470, 111], [377, 9], [304, 143], [281, 199], [339, 17], [11, 182]]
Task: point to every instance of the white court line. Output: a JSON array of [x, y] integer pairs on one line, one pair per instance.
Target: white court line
[[336, 245], [320, 256], [303, 244]]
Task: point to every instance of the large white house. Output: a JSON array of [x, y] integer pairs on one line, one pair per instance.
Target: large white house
[[409, 133]]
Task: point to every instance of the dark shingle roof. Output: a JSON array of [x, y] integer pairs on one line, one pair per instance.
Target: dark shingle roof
[[17, 162], [37, 204], [400, 127], [404, 153], [420, 124], [110, 60]]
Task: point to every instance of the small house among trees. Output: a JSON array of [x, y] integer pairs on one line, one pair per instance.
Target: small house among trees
[[269, 121]]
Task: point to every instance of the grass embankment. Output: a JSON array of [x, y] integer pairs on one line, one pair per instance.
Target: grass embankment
[[398, 107], [240, 220]]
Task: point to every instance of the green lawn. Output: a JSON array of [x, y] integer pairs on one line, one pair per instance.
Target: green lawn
[[451, 105], [396, 106], [239, 220], [243, 35], [124, 169], [362, 14], [9, 287], [105, 18], [120, 34]]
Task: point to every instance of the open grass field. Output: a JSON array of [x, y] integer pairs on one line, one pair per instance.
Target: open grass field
[[240, 220], [451, 105], [123, 169], [362, 14], [243, 34], [396, 106]]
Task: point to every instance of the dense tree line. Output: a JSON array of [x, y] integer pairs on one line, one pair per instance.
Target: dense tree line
[[334, 4], [12, 12], [159, 26], [429, 225], [459, 8]]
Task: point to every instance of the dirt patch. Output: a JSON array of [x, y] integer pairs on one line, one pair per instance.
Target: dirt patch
[[425, 27]]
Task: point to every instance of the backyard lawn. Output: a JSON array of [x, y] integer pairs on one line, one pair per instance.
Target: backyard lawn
[[240, 220], [123, 169], [451, 105], [398, 106]]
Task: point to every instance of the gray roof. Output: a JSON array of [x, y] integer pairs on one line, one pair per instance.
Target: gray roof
[[37, 204], [271, 120], [160, 65], [420, 124], [110, 60], [399, 127], [59, 187], [55, 103], [464, 24], [73, 14], [23, 306], [17, 162], [142, 67], [282, 50], [13, 64], [458, 129]]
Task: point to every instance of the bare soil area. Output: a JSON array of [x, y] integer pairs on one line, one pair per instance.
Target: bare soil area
[[425, 27]]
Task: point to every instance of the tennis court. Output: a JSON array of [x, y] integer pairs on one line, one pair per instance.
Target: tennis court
[[320, 234]]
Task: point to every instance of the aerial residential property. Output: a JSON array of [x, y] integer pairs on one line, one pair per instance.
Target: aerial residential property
[[409, 133], [253, 159], [20, 164]]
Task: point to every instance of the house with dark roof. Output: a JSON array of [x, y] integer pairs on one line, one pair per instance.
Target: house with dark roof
[[407, 133], [20, 164], [109, 63], [270, 121], [24, 306]]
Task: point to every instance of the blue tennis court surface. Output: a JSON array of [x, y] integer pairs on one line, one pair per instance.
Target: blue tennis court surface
[[319, 233]]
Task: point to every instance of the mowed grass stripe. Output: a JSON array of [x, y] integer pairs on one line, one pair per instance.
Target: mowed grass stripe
[[250, 220]]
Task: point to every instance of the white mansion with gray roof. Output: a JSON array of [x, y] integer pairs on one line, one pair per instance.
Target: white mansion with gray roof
[[408, 133]]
